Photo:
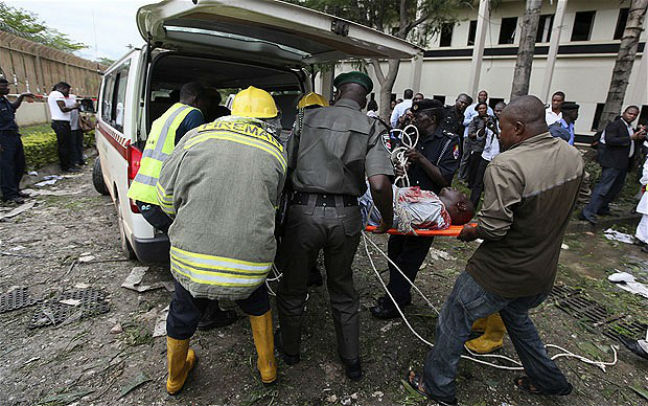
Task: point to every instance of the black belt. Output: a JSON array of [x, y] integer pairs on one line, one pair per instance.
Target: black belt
[[303, 198]]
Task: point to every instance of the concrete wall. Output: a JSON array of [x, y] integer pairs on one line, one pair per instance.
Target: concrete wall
[[32, 114]]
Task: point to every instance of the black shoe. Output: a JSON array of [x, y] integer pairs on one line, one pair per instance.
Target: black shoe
[[645, 248], [604, 212], [353, 369], [287, 358], [72, 169], [14, 200], [23, 194], [589, 219], [633, 345], [385, 309], [214, 317], [314, 277]]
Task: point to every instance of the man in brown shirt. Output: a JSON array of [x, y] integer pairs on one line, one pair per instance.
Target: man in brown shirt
[[327, 162], [530, 191]]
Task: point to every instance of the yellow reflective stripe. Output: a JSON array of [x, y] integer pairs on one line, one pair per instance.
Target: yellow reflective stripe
[[239, 140], [162, 194], [213, 279], [207, 261], [235, 274]]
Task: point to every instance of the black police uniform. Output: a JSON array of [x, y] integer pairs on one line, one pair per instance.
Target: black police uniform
[[442, 150], [12, 154]]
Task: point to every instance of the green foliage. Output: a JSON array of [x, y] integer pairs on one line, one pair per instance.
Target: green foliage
[[27, 25], [40, 145]]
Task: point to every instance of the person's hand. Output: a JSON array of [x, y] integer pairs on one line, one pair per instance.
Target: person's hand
[[467, 234], [413, 155], [472, 136], [639, 134], [382, 228], [76, 105], [400, 171]]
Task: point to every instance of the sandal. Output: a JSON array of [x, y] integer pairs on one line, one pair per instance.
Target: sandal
[[524, 383], [416, 382]]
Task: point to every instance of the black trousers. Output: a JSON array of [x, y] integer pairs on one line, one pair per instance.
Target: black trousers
[[477, 183], [408, 253], [12, 164], [185, 311], [606, 190], [77, 147], [64, 141]]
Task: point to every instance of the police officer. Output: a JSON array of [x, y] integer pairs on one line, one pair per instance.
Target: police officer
[[432, 164], [328, 162], [12, 155], [166, 132]]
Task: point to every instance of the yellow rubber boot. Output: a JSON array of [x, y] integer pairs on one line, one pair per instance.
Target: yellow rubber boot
[[264, 343], [493, 336], [180, 359], [479, 325]]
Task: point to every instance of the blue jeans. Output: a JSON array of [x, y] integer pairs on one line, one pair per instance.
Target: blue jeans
[[608, 187], [469, 302]]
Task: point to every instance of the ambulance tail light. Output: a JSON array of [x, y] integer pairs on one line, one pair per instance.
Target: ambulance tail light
[[134, 159]]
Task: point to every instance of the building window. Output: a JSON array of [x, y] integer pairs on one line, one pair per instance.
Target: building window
[[583, 25], [492, 101], [439, 97], [643, 116], [597, 116], [544, 28], [472, 29], [507, 30], [621, 23], [446, 35]]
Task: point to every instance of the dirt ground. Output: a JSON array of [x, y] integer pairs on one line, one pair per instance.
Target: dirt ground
[[81, 362]]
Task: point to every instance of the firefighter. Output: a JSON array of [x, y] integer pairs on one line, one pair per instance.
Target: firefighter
[[221, 186]]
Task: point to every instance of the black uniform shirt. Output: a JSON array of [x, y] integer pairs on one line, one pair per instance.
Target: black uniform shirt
[[7, 115], [442, 149]]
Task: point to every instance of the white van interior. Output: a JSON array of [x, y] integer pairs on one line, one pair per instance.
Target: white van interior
[[169, 71]]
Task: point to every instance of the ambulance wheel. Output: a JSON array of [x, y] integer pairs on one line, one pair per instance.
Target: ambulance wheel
[[97, 178], [126, 247]]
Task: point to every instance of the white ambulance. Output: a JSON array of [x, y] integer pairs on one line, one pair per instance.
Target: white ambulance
[[229, 45]]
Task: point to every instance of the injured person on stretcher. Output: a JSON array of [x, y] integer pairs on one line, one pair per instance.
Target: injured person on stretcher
[[418, 209]]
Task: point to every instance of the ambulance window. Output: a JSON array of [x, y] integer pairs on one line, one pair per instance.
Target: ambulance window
[[107, 96], [119, 98]]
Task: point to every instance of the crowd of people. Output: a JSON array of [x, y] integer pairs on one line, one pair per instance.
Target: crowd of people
[[301, 197]]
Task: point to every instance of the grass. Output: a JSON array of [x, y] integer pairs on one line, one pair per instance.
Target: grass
[[39, 142]]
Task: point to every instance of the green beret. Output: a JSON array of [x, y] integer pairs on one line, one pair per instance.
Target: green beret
[[354, 77]]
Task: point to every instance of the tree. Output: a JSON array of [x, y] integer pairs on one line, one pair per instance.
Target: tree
[[526, 49], [625, 60], [27, 25], [397, 17]]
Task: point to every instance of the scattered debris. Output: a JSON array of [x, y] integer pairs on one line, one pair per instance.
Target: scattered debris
[[134, 279], [614, 235], [16, 298], [18, 210], [46, 182], [32, 173], [82, 286], [55, 312], [160, 325], [71, 302], [564, 246], [86, 258], [377, 394], [117, 329], [627, 282], [331, 399], [65, 192], [138, 381], [17, 248], [388, 326], [29, 361], [436, 254], [65, 398]]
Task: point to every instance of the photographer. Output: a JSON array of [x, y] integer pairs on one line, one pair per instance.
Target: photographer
[[478, 129]]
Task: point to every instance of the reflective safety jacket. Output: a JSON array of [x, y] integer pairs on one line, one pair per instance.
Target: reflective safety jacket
[[221, 185], [159, 145]]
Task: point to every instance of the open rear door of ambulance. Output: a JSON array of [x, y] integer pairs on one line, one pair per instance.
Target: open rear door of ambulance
[[265, 31]]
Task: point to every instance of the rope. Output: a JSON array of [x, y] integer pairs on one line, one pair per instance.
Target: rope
[[517, 365], [398, 154]]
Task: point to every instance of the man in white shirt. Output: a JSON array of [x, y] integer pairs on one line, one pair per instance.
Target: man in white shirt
[[554, 112], [60, 113], [402, 107], [469, 114]]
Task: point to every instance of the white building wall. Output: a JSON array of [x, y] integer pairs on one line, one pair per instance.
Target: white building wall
[[584, 77]]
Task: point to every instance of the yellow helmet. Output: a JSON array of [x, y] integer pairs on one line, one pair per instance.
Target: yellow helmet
[[253, 102], [312, 99]]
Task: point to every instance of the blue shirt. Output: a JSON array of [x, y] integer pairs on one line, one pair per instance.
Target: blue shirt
[[7, 115], [569, 127], [442, 150], [191, 121]]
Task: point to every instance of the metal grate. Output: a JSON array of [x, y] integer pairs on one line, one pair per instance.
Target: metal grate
[[16, 299], [52, 312], [573, 301]]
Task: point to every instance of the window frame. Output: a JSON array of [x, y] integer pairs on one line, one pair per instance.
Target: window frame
[[510, 40]]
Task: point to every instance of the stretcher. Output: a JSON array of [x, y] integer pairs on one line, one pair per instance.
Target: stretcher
[[452, 231]]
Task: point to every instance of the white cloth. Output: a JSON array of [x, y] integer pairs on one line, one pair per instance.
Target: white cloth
[[551, 117], [74, 114], [492, 146], [399, 110], [642, 229], [55, 111], [643, 203], [470, 113]]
